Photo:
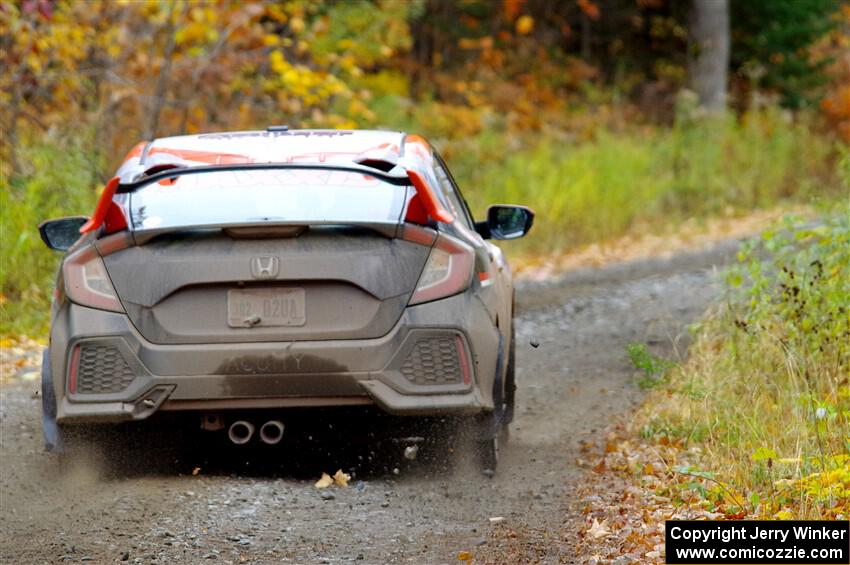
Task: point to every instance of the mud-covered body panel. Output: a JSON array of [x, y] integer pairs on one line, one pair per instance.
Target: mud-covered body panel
[[277, 374], [357, 284]]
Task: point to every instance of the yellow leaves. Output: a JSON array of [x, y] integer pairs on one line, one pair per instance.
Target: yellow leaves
[[340, 122], [464, 556], [113, 49], [764, 454], [277, 13], [339, 479], [524, 25], [195, 33], [297, 25], [278, 63], [832, 483], [358, 108], [34, 62]]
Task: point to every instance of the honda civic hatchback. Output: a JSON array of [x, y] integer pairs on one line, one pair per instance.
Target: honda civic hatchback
[[239, 274]]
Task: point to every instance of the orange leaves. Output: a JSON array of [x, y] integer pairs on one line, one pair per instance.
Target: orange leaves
[[511, 9], [589, 8], [836, 107]]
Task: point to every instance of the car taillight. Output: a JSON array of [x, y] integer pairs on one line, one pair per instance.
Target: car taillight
[[447, 272], [87, 283]]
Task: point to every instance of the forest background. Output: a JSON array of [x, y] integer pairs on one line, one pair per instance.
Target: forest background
[[612, 118]]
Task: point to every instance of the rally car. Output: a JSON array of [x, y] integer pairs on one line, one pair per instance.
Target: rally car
[[244, 274]]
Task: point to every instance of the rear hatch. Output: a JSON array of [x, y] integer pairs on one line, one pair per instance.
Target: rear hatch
[[202, 276]]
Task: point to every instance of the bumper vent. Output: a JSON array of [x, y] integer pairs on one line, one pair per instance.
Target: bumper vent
[[433, 361], [102, 370]]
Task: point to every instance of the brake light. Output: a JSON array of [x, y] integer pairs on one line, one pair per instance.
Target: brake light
[[448, 270], [87, 283]]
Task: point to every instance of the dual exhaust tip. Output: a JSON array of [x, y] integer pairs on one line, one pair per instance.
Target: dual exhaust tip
[[240, 432]]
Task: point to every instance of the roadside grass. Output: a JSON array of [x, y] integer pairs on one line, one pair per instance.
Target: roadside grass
[[643, 179], [60, 180], [646, 179], [764, 397], [653, 369]]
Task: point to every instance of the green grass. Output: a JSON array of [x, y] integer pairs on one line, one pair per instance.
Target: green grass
[[622, 182], [653, 369], [772, 417], [60, 180], [640, 179]]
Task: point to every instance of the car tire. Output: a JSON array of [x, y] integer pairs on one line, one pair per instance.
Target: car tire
[[487, 453], [486, 436]]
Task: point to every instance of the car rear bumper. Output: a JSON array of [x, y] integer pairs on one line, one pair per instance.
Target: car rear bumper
[[439, 358]]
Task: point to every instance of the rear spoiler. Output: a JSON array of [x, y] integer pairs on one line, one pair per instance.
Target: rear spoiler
[[427, 194]]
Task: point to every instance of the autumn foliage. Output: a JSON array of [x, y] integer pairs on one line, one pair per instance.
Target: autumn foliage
[[578, 108]]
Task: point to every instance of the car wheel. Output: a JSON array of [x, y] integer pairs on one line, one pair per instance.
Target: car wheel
[[486, 436], [487, 452]]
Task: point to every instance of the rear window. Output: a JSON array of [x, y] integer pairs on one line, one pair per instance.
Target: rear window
[[257, 196]]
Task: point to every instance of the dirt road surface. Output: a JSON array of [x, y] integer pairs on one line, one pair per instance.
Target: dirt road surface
[[246, 507]]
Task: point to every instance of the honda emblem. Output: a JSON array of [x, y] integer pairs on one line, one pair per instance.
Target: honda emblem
[[264, 267]]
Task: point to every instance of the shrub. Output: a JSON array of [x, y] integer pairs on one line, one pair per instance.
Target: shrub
[[772, 365]]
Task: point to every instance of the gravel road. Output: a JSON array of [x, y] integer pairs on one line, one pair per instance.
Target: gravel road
[[246, 507]]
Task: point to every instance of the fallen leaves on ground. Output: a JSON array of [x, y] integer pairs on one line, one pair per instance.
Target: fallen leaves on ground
[[623, 500], [599, 529], [20, 358], [339, 479]]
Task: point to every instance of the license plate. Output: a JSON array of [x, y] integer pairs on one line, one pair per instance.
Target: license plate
[[265, 308]]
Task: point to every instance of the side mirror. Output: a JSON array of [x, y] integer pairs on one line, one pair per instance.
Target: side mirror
[[506, 222], [60, 234]]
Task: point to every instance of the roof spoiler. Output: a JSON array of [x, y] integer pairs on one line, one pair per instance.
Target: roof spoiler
[[422, 182], [390, 230]]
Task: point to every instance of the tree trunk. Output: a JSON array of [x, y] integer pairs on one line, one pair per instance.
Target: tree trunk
[[709, 49], [164, 75], [585, 38]]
